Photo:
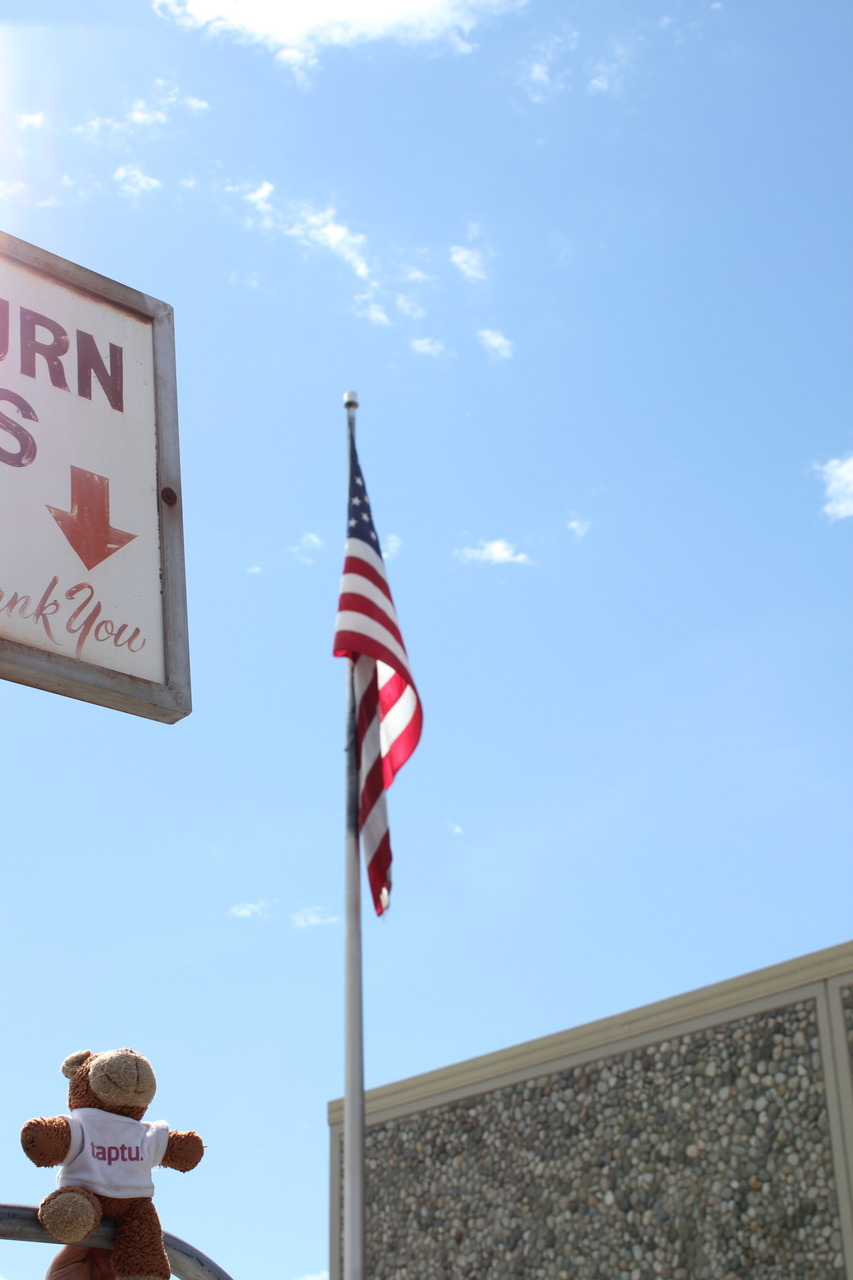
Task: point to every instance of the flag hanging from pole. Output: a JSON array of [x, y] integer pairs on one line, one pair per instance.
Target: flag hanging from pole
[[388, 710]]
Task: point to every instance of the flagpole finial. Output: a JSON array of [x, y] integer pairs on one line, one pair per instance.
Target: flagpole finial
[[350, 399]]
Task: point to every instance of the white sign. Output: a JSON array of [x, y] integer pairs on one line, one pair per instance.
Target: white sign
[[92, 592]]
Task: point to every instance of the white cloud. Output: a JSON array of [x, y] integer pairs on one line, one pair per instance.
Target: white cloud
[[250, 910], [495, 343], [578, 527], [541, 75], [133, 182], [415, 275], [608, 74], [457, 831], [837, 475], [296, 32], [306, 547], [94, 126], [460, 44], [318, 226], [308, 225], [35, 121], [259, 201], [410, 307], [254, 568], [143, 114], [427, 346], [536, 77], [11, 190], [497, 552], [309, 917], [249, 281], [391, 546], [369, 309], [469, 262]]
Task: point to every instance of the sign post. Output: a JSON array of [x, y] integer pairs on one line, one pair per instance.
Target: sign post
[[92, 584]]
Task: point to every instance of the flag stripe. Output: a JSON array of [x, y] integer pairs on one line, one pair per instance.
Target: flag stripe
[[365, 571], [372, 790], [353, 584], [396, 752], [379, 874], [358, 602], [397, 716], [362, 550], [367, 710], [365, 636]]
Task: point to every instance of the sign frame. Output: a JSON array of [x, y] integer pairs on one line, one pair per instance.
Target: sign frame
[[171, 700]]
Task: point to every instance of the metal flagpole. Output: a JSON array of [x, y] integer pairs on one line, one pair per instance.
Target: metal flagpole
[[353, 1237]]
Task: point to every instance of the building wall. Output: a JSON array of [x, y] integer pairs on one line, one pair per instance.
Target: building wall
[[708, 1137]]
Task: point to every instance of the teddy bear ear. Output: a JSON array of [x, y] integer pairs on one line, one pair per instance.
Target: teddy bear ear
[[73, 1061]]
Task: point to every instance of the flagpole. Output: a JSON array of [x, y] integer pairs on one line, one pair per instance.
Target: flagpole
[[353, 1237]]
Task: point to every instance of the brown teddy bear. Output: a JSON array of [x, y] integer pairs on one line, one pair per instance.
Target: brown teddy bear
[[107, 1151]]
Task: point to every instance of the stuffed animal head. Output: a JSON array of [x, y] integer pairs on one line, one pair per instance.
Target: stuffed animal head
[[120, 1081]]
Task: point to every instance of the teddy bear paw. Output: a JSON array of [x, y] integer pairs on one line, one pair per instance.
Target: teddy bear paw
[[70, 1214]]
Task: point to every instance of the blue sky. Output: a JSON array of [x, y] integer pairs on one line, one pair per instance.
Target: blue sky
[[588, 266]]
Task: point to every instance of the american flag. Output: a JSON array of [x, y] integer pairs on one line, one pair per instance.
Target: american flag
[[388, 710]]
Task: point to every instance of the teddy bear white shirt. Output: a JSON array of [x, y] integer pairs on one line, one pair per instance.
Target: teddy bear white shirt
[[112, 1155]]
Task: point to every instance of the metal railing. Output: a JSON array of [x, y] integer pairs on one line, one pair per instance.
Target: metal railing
[[20, 1222]]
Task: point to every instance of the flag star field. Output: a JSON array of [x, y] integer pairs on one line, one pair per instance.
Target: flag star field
[[587, 264]]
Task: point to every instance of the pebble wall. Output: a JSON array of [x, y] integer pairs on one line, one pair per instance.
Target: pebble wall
[[704, 1157]]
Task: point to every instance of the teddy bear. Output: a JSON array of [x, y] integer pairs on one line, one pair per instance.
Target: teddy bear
[[107, 1151]]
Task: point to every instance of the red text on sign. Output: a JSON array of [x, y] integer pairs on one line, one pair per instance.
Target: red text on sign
[[44, 340], [85, 620]]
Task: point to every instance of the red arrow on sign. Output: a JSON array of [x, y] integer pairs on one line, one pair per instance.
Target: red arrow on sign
[[87, 525]]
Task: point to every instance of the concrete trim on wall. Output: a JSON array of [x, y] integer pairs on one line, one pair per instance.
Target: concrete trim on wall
[[840, 1106], [336, 1192], [736, 997]]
